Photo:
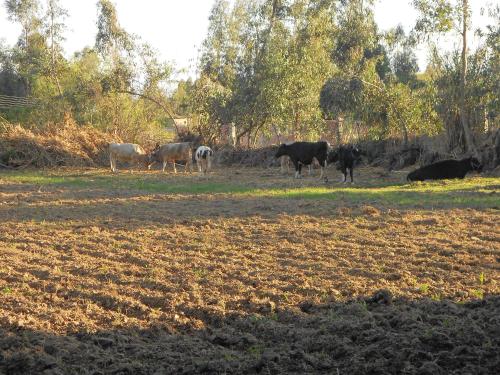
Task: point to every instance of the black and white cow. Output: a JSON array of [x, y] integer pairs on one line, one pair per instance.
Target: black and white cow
[[303, 153], [203, 157], [446, 169], [346, 156]]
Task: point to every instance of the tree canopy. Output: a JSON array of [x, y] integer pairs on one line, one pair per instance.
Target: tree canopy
[[270, 67]]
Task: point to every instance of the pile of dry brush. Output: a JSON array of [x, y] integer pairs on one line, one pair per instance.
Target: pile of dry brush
[[54, 145], [69, 144]]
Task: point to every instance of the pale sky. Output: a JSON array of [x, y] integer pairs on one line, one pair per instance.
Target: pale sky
[[176, 28]]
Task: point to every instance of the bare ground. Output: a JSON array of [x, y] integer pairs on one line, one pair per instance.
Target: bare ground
[[103, 279]]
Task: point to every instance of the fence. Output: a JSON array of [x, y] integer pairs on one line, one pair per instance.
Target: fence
[[9, 102]]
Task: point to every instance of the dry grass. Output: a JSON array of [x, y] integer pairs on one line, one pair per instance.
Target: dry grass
[[83, 251], [53, 145]]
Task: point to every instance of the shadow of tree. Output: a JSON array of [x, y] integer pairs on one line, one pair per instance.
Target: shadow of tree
[[371, 335]]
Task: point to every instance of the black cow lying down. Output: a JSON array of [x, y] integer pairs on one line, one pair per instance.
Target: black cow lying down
[[445, 169], [347, 156], [303, 153]]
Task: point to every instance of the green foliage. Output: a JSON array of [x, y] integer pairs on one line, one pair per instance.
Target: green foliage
[[269, 66], [263, 66], [340, 95], [119, 86], [435, 16], [405, 66]]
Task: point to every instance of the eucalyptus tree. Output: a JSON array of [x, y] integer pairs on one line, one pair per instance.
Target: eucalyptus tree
[[129, 65], [443, 16], [54, 28], [28, 54], [27, 13], [266, 61]]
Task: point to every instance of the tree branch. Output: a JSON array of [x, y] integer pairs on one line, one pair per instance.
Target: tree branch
[[158, 103]]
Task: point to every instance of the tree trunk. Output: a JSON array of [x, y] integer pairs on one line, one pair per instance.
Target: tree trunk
[[463, 76], [53, 54], [296, 123]]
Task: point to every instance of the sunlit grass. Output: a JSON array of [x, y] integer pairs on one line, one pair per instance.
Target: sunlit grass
[[470, 192]]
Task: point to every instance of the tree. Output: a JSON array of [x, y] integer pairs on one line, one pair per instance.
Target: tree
[[441, 16], [405, 66], [130, 67], [54, 30], [29, 52], [270, 59], [26, 13]]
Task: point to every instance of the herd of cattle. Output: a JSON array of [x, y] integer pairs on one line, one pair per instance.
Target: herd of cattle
[[299, 153], [171, 152]]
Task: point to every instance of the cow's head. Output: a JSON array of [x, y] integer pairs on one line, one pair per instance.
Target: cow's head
[[333, 156], [356, 152], [476, 165], [152, 157], [282, 150]]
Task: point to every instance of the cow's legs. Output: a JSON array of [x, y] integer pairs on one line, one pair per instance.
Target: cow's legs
[[113, 164], [209, 163], [284, 164], [350, 173], [344, 174], [297, 166], [175, 169], [199, 164], [164, 166], [323, 169]]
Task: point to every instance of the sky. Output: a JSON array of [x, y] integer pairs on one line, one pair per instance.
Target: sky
[[176, 28]]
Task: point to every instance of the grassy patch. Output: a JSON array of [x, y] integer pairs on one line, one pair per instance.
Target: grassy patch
[[472, 194], [476, 192]]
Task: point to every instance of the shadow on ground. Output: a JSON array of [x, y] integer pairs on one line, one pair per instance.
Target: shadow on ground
[[372, 335]]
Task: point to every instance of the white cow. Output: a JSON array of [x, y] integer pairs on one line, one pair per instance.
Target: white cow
[[128, 152], [203, 157], [171, 152]]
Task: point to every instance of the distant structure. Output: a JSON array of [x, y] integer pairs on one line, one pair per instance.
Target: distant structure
[[180, 124]]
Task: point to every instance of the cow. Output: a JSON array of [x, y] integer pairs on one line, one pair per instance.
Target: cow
[[128, 152], [203, 157], [171, 152], [446, 169], [285, 165], [346, 156], [303, 153]]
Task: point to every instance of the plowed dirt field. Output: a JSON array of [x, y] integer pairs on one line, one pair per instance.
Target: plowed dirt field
[[247, 271]]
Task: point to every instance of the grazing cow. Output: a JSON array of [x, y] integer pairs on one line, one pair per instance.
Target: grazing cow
[[303, 153], [203, 157], [446, 169], [128, 152], [347, 156], [171, 152]]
